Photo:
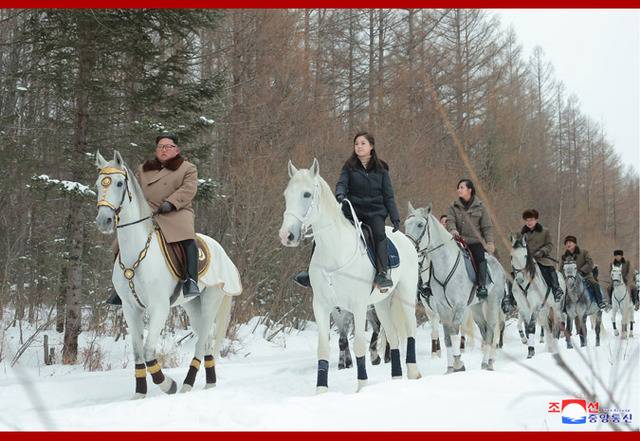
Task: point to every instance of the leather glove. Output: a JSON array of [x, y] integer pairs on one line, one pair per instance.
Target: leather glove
[[166, 207], [455, 234], [396, 225], [340, 197], [538, 254], [491, 248]]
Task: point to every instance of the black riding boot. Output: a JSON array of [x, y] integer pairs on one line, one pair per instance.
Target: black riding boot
[[190, 284], [382, 259], [114, 298], [595, 288], [555, 286], [302, 279], [481, 279]]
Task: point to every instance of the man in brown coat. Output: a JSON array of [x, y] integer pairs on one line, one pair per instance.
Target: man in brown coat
[[585, 266], [540, 246], [169, 184], [619, 260]]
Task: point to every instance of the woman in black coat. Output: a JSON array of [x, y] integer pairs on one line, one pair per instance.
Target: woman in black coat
[[365, 181]]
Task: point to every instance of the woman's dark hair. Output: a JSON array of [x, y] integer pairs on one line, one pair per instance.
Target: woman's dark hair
[[469, 184], [374, 162]]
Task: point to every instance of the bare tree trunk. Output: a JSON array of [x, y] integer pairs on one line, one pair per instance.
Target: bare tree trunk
[[87, 60]]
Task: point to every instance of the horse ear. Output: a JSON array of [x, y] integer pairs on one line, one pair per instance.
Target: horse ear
[[315, 167], [411, 209], [524, 240], [100, 161], [117, 157], [428, 208], [292, 169], [512, 238]]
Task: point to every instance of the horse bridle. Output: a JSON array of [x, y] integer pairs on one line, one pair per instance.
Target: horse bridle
[[305, 218], [106, 183], [427, 231]]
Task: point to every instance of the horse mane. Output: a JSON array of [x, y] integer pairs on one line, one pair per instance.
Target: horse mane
[[328, 202]]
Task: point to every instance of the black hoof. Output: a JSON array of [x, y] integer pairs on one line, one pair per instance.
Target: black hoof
[[376, 361], [173, 389], [460, 369]]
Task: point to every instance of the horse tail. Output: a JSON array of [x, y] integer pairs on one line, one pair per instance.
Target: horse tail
[[223, 317]]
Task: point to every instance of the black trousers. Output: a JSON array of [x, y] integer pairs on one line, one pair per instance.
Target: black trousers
[[477, 251], [376, 223], [547, 274]]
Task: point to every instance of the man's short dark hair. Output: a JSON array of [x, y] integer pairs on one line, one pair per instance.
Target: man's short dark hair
[[443, 215], [170, 135]]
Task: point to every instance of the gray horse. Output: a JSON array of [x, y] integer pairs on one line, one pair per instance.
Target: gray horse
[[579, 305], [343, 320]]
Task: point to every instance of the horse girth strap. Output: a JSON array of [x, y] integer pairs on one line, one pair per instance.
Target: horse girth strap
[[129, 273]]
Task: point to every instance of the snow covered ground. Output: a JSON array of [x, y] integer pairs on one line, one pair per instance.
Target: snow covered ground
[[271, 386]]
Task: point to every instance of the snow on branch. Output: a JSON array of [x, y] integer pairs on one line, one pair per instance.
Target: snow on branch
[[68, 187]]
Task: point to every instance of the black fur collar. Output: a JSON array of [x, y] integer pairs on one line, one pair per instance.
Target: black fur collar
[[537, 228], [172, 164]]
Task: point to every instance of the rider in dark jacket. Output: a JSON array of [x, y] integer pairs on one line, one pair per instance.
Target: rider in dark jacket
[[365, 182]]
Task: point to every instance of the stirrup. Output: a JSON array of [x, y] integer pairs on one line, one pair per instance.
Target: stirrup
[[302, 279], [382, 280], [190, 288]]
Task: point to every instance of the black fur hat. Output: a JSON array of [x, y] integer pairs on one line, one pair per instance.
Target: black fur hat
[[618, 253], [530, 213], [570, 239]]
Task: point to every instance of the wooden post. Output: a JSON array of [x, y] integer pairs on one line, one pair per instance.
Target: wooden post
[[46, 349]]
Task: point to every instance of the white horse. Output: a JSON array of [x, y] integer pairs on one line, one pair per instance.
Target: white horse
[[621, 302], [533, 297], [145, 285], [579, 305], [342, 275], [452, 287]]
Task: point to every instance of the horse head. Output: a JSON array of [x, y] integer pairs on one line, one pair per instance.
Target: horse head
[[113, 187], [616, 275], [416, 226], [301, 203], [521, 260]]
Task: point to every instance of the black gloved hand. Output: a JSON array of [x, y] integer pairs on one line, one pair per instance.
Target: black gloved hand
[[396, 225], [166, 207], [538, 254], [340, 197]]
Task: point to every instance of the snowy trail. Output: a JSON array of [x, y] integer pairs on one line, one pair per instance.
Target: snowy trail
[[270, 386]]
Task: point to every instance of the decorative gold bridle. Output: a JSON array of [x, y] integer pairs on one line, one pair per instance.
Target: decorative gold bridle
[[129, 273]]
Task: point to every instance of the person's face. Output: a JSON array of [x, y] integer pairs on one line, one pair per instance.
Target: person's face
[[531, 222], [464, 192], [362, 147], [618, 258], [166, 149], [570, 246], [443, 220]]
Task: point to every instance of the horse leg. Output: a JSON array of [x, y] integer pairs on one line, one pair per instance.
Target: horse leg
[[434, 320], [407, 316], [583, 331], [501, 341], [157, 318], [360, 346], [567, 333], [598, 325], [202, 312], [478, 318], [458, 365], [614, 312], [541, 335], [531, 336], [135, 324], [384, 314], [372, 318], [345, 360], [448, 345], [522, 327], [322, 321]]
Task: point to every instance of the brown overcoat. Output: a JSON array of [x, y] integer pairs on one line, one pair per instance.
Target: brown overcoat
[[471, 222], [539, 239], [583, 262], [176, 182]]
